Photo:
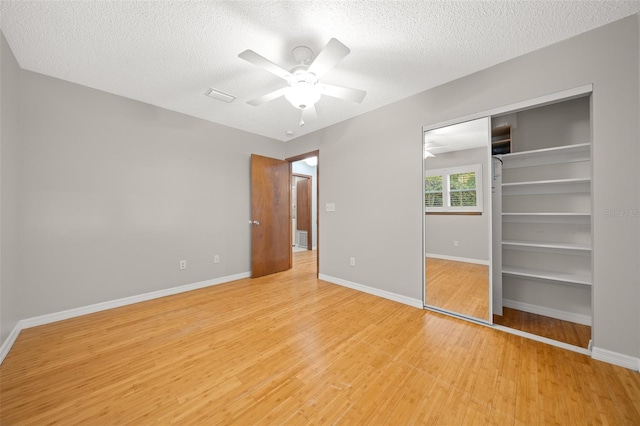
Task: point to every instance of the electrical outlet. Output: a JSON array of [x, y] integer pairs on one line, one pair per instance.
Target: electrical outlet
[[183, 265], [330, 207], [455, 244], [352, 261], [216, 258]]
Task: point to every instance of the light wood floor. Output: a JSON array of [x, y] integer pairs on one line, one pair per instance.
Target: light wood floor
[[464, 288], [458, 287], [552, 328], [290, 349]]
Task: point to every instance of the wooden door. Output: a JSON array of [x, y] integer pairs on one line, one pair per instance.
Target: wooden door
[[270, 215], [303, 197]]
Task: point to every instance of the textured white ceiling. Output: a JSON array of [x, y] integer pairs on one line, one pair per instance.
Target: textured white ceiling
[[168, 53], [457, 137]]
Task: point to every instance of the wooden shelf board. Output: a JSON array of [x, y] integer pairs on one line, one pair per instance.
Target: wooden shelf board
[[555, 155], [547, 182], [584, 248], [555, 186], [547, 217], [561, 277], [553, 150], [545, 214]]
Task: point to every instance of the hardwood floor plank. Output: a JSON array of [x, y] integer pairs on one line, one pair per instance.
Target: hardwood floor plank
[[291, 349], [552, 328]]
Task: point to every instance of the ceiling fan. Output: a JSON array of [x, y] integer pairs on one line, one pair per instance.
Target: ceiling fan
[[304, 88]]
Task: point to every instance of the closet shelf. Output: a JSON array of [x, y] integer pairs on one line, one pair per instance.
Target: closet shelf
[[501, 141], [580, 218], [555, 186], [561, 277], [546, 246], [555, 155]]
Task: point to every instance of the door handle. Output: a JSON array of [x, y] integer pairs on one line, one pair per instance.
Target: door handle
[[256, 223]]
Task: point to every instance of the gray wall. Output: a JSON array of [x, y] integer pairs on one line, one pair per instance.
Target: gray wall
[[378, 217], [115, 192], [559, 124], [9, 145], [471, 231]]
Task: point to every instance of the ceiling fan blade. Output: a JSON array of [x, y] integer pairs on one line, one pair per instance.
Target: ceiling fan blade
[[266, 98], [431, 144], [332, 53], [346, 93], [309, 113], [264, 63]]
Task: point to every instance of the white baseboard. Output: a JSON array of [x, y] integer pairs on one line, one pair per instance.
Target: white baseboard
[[457, 259], [416, 303], [8, 343], [547, 312], [616, 358], [103, 306]]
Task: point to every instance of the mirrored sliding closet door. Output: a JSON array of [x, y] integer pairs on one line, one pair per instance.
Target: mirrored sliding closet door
[[457, 219]]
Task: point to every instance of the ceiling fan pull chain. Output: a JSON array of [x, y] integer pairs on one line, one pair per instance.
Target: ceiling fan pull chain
[[301, 117]]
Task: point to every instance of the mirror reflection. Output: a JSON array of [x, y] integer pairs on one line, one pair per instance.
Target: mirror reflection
[[457, 198]]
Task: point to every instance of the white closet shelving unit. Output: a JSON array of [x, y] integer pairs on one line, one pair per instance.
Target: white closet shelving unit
[[546, 216]]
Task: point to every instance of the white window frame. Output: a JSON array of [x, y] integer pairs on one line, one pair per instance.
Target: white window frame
[[446, 190]]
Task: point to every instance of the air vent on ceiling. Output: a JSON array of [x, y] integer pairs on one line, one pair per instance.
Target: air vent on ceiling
[[217, 94]]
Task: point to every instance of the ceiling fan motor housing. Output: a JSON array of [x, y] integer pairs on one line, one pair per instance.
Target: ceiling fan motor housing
[[302, 54], [303, 91]]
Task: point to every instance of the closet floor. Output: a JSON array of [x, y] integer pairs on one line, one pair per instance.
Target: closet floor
[[562, 331]]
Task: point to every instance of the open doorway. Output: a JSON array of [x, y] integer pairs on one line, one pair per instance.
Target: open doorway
[[301, 209], [304, 208]]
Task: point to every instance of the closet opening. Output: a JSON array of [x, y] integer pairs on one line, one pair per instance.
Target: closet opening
[[542, 190], [540, 206]]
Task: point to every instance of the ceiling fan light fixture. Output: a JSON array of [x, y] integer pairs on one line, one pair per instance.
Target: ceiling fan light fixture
[[303, 94]]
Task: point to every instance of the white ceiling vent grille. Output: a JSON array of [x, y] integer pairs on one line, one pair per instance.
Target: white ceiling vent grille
[[221, 96]]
